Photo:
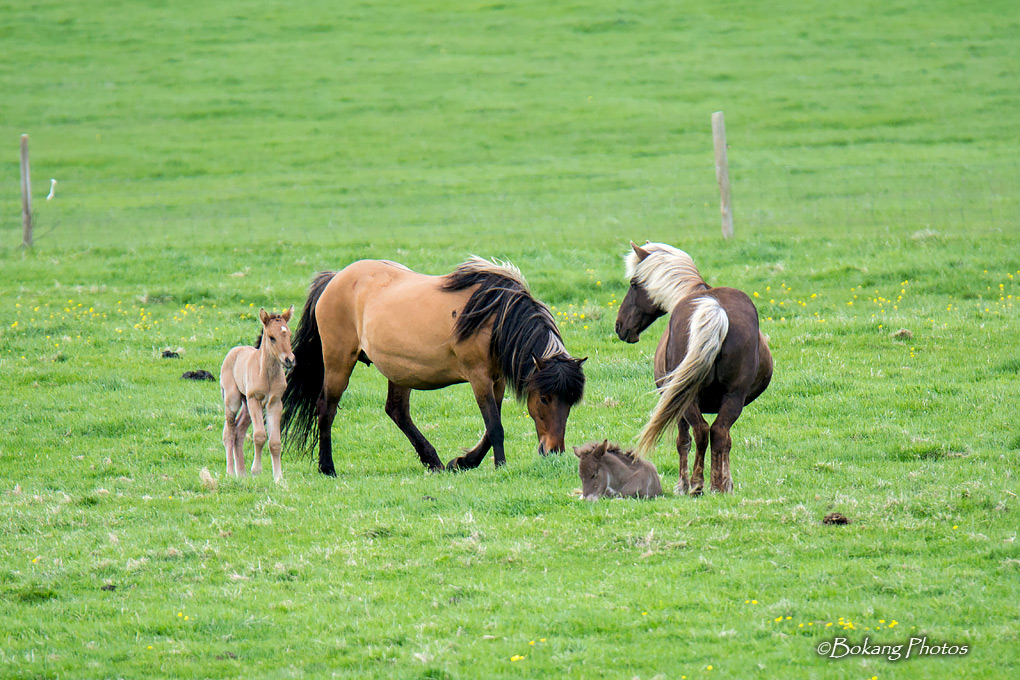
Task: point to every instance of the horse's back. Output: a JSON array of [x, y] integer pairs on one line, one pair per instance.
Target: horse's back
[[400, 319], [743, 365], [233, 368]]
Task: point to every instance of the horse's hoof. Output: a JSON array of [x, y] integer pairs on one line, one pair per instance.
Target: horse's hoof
[[453, 465], [329, 472]]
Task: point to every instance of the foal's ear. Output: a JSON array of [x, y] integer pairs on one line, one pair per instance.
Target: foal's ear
[[639, 251], [577, 451], [600, 450], [263, 316], [539, 363], [581, 361], [289, 313]]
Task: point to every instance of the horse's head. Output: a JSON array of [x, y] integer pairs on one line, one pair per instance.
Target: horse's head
[[276, 331], [556, 384], [594, 475], [638, 310]]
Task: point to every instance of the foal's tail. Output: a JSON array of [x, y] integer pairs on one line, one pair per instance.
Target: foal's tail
[[304, 382], [709, 325]]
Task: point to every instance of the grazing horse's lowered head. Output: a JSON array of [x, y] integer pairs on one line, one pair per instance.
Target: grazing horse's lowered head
[[525, 342], [556, 384]]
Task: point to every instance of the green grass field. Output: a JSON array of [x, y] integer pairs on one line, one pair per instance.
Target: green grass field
[[211, 157]]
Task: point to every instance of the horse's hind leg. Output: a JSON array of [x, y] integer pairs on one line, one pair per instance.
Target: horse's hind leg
[[398, 408], [701, 436], [729, 411], [335, 380], [683, 447]]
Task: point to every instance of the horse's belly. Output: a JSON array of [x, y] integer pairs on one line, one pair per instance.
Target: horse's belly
[[416, 373]]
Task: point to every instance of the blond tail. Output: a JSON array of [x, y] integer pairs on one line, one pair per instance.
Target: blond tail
[[709, 325]]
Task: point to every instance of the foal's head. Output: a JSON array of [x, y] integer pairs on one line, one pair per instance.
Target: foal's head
[[593, 471], [556, 384], [638, 310], [276, 336]]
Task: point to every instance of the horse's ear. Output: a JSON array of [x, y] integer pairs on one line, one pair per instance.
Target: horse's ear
[[289, 313], [539, 363], [577, 451], [639, 251], [581, 361], [263, 316], [600, 450]]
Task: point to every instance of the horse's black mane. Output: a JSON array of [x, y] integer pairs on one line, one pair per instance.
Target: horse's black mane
[[523, 331]]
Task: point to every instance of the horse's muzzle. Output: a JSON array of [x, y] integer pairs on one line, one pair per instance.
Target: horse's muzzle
[[626, 335]]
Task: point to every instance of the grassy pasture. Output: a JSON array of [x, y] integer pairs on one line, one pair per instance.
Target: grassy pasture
[[211, 156]]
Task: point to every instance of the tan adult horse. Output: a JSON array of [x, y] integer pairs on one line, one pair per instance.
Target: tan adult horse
[[478, 325], [711, 359], [252, 380]]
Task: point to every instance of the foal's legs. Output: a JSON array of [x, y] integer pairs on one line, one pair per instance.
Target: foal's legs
[[398, 408], [729, 410], [274, 411], [258, 434], [241, 425], [489, 397], [701, 432], [232, 403]]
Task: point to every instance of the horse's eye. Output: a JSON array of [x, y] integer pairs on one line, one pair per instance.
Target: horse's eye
[[544, 400], [272, 339]]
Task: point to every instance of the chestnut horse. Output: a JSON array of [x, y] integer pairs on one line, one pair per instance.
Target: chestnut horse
[[478, 325], [712, 357], [252, 379]]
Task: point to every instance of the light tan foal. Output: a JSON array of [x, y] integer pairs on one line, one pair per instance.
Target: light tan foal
[[252, 380]]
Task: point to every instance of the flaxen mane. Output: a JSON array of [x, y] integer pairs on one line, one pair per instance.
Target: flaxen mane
[[668, 274], [523, 330]]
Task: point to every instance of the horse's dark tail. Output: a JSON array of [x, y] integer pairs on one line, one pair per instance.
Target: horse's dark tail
[[304, 382]]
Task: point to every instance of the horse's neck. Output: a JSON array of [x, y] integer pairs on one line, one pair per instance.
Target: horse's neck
[[620, 468]]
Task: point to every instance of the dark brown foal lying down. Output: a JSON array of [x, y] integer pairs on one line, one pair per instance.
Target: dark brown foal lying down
[[607, 470]]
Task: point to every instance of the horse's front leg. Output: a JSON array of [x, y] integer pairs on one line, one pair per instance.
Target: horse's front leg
[[258, 434], [489, 397], [274, 411]]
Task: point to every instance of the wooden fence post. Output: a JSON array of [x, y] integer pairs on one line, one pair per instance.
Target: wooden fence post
[[722, 172], [26, 196]]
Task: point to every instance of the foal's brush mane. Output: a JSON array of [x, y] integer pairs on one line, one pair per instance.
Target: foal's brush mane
[[668, 274], [630, 455], [524, 332]]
